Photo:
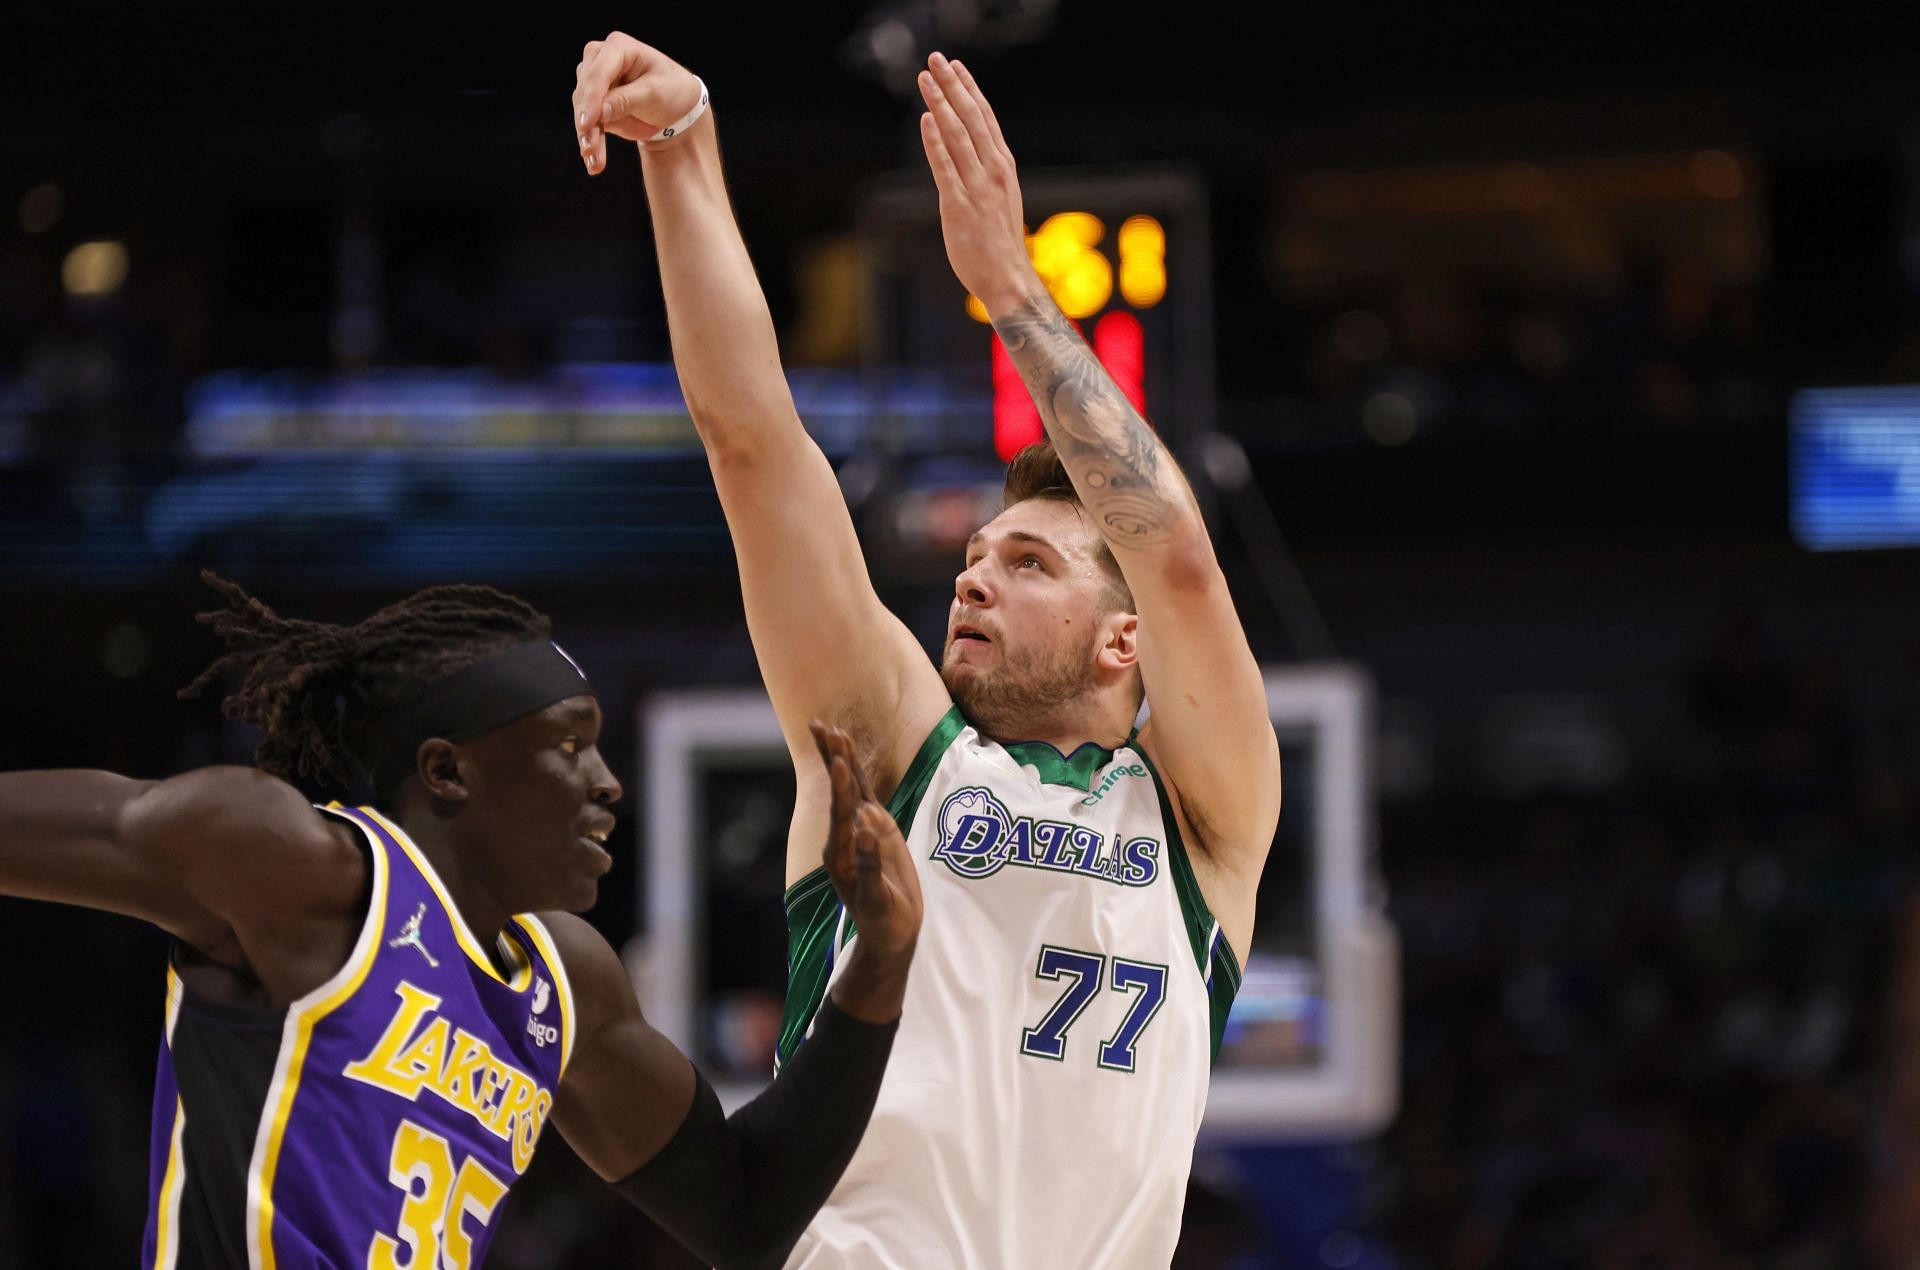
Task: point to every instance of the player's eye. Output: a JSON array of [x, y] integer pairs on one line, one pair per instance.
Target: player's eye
[[570, 746], [1030, 560]]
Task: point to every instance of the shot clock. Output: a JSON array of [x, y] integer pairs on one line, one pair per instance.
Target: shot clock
[[1124, 254]]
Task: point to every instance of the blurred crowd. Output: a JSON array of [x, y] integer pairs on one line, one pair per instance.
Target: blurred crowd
[[1664, 345], [1647, 1026]]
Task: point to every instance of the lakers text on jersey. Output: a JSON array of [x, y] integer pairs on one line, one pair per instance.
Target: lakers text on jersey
[[379, 1120]]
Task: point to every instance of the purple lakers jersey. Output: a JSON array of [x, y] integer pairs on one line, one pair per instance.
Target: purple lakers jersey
[[379, 1120]]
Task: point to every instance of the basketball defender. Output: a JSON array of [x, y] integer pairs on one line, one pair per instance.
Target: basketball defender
[[367, 1023], [1089, 886]]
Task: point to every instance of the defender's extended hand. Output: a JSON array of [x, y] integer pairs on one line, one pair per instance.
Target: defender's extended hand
[[867, 860], [626, 89], [980, 211]]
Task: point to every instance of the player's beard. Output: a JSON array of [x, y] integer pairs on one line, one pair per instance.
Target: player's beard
[[1026, 694]]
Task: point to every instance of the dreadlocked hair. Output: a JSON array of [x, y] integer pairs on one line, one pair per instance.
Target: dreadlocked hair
[[317, 689]]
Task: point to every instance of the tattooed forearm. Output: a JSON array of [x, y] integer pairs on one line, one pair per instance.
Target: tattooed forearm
[[1123, 474]]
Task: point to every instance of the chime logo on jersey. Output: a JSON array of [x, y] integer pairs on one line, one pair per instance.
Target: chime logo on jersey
[[421, 1050], [1113, 778], [978, 836]]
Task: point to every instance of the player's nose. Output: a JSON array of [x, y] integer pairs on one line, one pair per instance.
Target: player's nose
[[604, 787], [971, 585]]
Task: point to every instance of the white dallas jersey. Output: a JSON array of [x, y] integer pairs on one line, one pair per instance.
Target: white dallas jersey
[[1065, 1004]]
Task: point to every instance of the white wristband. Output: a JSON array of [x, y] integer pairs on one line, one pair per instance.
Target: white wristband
[[685, 121]]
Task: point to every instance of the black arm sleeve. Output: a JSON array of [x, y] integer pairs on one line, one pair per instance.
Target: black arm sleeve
[[739, 1191]]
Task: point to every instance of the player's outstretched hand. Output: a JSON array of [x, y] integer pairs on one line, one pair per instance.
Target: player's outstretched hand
[[624, 88], [980, 212], [867, 860]]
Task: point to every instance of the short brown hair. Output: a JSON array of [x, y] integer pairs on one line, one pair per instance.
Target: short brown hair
[[1038, 472]]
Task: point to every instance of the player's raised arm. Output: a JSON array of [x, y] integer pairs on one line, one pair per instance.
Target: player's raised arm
[[826, 645], [1209, 705], [739, 1190]]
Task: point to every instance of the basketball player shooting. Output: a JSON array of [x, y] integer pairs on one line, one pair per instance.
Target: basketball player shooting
[[367, 1024], [1089, 887]]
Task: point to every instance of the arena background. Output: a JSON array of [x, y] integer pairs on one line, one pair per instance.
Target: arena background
[[1513, 313]]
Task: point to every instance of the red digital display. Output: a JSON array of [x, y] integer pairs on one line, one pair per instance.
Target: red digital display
[[1120, 345], [1016, 421]]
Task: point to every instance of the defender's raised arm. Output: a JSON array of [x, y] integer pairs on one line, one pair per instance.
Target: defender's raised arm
[[1205, 689], [739, 1190], [827, 647]]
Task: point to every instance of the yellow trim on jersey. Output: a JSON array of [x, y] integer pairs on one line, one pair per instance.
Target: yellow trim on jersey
[[166, 1218], [523, 965], [543, 940], [302, 1016], [174, 989], [166, 1223]]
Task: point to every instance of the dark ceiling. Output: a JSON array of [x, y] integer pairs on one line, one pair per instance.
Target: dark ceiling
[[100, 66]]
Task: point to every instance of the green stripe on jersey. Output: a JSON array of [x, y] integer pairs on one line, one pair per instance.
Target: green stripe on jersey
[[1222, 988], [1075, 770], [813, 909], [1219, 968]]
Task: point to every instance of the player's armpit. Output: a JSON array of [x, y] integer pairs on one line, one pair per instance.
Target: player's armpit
[[1209, 726], [738, 1190]]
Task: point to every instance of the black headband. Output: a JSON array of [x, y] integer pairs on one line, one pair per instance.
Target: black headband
[[473, 701]]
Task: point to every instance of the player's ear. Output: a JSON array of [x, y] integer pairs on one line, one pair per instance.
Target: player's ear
[[1120, 646], [438, 766]]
